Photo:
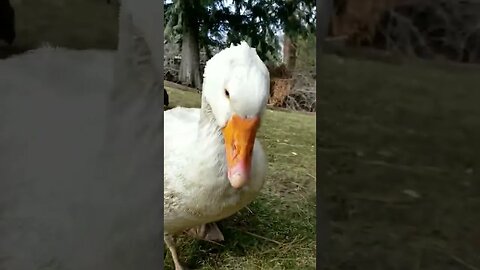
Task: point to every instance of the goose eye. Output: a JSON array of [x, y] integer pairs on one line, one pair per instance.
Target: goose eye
[[227, 94]]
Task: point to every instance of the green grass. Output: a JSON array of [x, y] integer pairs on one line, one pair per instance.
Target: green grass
[[388, 128], [279, 232]]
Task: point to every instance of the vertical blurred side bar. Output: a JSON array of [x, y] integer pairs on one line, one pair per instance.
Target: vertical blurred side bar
[[137, 135], [324, 13]]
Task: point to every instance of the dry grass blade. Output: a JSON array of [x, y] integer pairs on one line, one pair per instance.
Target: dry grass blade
[[260, 237]]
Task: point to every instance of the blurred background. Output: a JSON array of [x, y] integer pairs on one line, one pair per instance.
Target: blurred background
[[76, 24], [435, 30], [398, 133]]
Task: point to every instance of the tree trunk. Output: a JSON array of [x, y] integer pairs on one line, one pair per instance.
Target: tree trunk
[[190, 64], [289, 53], [289, 41]]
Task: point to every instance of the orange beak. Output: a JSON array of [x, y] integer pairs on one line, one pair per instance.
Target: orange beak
[[239, 134]]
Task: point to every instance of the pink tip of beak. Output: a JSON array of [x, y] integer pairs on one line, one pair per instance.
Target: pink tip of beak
[[238, 175]]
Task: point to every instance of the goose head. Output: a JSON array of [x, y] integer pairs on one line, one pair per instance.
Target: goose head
[[236, 86]]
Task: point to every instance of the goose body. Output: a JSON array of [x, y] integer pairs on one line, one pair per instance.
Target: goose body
[[202, 194], [213, 163]]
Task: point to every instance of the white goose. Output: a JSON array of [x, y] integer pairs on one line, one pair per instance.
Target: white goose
[[213, 164]]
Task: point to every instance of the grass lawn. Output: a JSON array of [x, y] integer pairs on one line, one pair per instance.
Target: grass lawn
[[279, 230]]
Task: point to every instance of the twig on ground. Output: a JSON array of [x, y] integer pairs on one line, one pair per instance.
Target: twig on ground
[[312, 176], [213, 242], [261, 237]]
